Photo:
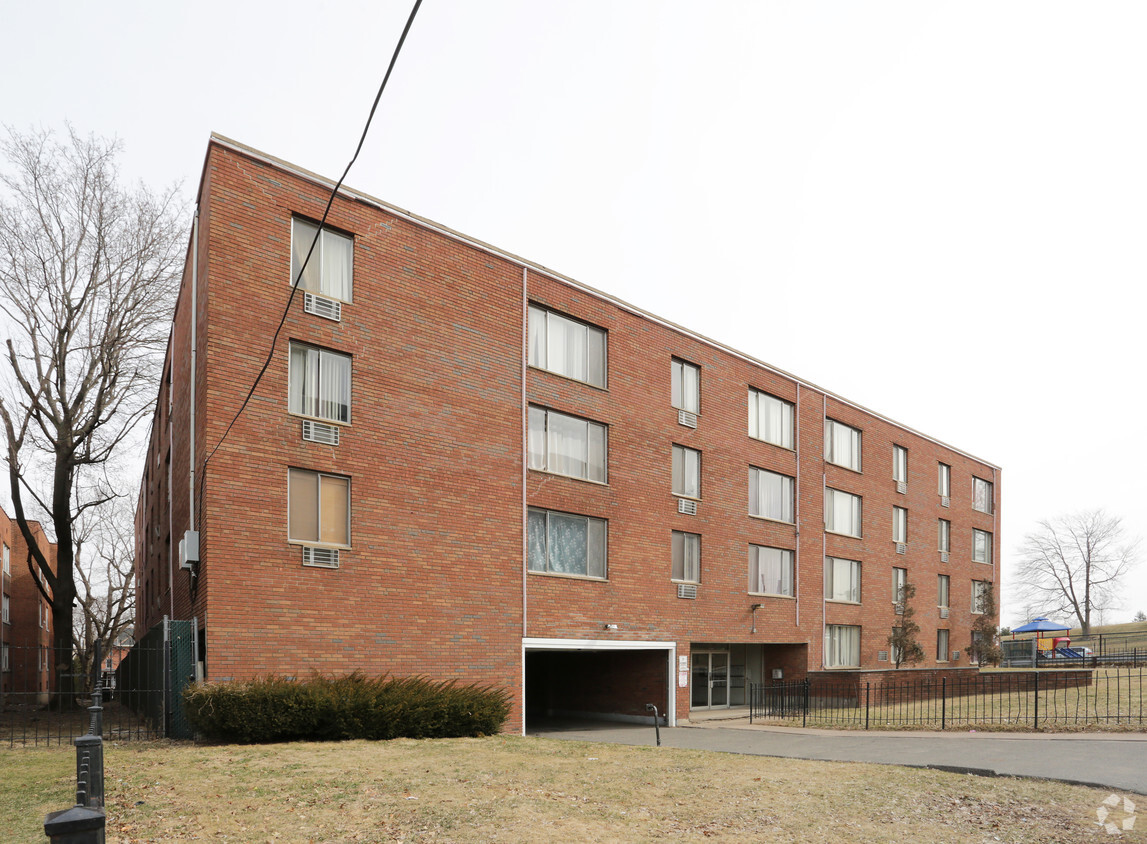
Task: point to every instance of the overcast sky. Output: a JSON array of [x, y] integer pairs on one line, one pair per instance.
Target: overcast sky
[[934, 209]]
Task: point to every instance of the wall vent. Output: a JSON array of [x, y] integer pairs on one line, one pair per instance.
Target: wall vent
[[943, 612], [882, 656], [902, 487], [686, 590], [322, 306], [955, 656], [901, 548], [689, 420], [945, 501], [320, 432], [689, 508], [326, 558], [943, 556]]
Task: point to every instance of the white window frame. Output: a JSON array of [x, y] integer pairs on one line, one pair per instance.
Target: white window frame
[[758, 580], [981, 490], [685, 386], [758, 478], [900, 524], [856, 512], [943, 591], [315, 358], [4, 666], [686, 557], [978, 588], [852, 591], [596, 530], [900, 464], [944, 480], [6, 608], [7, 559], [319, 542], [544, 443], [591, 368], [762, 408], [944, 535], [981, 546], [686, 465], [833, 645], [850, 457], [899, 581], [299, 252], [944, 635]]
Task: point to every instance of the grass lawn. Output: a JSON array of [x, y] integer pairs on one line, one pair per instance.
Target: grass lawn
[[508, 788]]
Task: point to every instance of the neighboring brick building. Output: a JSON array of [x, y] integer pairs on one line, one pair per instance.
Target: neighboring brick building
[[534, 485], [26, 664]]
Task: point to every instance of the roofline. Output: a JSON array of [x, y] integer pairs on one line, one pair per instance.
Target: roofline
[[445, 231]]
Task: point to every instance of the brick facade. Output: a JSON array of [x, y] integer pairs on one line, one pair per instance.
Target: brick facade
[[26, 634], [434, 579]]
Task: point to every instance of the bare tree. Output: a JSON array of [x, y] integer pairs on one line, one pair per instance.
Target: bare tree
[[906, 649], [1074, 564], [87, 280], [1140, 616]]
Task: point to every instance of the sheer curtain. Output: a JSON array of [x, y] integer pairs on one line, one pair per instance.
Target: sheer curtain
[[334, 384], [337, 259], [302, 233]]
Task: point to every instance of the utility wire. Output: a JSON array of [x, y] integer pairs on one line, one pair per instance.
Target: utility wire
[[318, 234]]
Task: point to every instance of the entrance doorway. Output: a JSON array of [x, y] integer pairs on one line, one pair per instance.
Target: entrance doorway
[[710, 681]]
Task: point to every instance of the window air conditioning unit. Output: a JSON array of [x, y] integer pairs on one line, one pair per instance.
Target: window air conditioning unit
[[326, 558], [323, 307], [955, 656], [689, 420], [901, 548], [902, 487], [943, 556], [686, 590], [320, 432], [943, 612], [689, 508], [945, 501], [900, 609], [882, 656]]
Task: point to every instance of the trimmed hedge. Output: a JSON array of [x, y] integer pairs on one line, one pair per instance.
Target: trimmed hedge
[[274, 709]]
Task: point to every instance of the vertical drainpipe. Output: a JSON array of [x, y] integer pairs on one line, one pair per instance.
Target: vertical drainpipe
[[191, 380], [797, 514], [524, 351], [823, 529]]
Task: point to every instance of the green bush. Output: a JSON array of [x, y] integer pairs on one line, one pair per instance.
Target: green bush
[[336, 708]]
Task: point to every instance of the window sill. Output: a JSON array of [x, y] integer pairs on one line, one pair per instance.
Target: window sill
[[306, 543], [842, 603], [318, 419], [686, 582], [838, 533], [941, 662], [982, 562], [846, 468], [773, 595], [688, 497], [567, 378], [302, 289], [571, 477], [770, 519], [583, 577], [787, 448]]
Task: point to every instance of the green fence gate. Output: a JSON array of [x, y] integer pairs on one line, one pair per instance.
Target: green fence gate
[[152, 675]]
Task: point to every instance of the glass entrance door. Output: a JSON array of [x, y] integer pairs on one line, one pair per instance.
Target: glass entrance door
[[710, 680]]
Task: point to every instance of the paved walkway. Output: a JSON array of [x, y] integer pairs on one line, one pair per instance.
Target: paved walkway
[[1107, 760]]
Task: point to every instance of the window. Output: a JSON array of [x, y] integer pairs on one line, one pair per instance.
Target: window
[[687, 556], [981, 546], [7, 560], [894, 649], [686, 472], [945, 535], [563, 543], [841, 580], [842, 512], [945, 480], [770, 419], [40, 615], [686, 386], [899, 524], [979, 593], [329, 271], [899, 581], [841, 444], [900, 464], [319, 508], [319, 383], [770, 571], [6, 621], [981, 495], [568, 347], [567, 445], [942, 584], [4, 662], [941, 645], [770, 495], [841, 646]]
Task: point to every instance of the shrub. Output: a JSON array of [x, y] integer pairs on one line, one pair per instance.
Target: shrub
[[335, 708]]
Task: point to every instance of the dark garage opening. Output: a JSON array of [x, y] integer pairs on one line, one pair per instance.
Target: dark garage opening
[[595, 686]]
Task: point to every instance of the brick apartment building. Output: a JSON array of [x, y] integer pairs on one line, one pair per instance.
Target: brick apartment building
[[464, 465], [27, 672]]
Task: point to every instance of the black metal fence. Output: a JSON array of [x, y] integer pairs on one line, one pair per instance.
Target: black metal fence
[[1104, 698], [1099, 650]]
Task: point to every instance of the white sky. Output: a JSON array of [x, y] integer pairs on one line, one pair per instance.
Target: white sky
[[936, 210]]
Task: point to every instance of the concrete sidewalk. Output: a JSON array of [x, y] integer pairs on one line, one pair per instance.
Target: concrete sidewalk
[[1106, 760]]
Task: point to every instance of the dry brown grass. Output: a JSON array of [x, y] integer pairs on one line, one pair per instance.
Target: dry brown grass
[[528, 789]]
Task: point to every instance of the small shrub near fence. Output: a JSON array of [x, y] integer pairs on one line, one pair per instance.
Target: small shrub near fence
[[336, 708], [1103, 699]]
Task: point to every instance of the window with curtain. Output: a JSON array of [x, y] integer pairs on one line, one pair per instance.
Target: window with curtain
[[842, 512], [686, 386], [945, 479], [771, 571], [565, 543], [981, 546], [329, 271], [841, 646], [686, 472], [981, 495], [943, 583], [567, 445], [7, 560], [566, 346], [319, 383], [5, 610], [900, 464], [945, 532], [842, 444], [770, 495], [687, 556], [770, 419], [318, 508], [842, 580], [941, 645], [899, 524], [899, 581]]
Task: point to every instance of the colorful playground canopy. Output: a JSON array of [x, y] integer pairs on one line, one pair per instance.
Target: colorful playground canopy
[[1040, 625]]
